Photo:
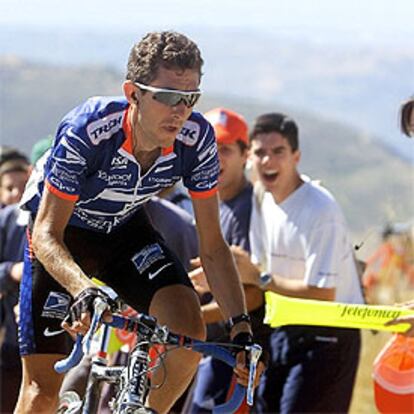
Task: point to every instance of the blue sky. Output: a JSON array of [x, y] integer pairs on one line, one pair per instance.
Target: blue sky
[[362, 20]]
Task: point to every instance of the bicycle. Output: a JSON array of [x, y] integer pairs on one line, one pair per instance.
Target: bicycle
[[132, 381]]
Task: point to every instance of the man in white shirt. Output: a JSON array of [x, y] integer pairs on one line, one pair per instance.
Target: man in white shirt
[[298, 236]]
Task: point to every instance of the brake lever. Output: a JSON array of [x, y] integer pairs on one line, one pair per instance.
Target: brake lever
[[255, 352], [100, 307]]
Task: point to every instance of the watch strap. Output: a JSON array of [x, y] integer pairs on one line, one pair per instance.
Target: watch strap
[[243, 317]]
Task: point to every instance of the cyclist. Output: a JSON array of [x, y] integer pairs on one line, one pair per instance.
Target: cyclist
[[109, 156]]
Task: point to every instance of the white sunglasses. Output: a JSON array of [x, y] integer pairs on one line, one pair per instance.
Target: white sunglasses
[[172, 97]]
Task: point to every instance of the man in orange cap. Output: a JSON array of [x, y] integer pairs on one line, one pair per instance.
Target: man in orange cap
[[235, 194]]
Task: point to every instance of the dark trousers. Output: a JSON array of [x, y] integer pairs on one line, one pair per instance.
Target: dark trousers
[[10, 378], [212, 384], [311, 369]]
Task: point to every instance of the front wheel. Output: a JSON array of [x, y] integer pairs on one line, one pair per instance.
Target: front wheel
[[92, 396]]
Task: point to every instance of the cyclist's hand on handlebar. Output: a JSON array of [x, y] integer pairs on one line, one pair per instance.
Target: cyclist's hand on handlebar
[[242, 367], [78, 319], [80, 326]]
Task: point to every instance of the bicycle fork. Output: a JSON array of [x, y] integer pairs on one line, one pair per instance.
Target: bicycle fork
[[135, 381]]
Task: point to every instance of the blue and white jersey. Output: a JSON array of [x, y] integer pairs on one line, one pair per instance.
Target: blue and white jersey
[[91, 162]]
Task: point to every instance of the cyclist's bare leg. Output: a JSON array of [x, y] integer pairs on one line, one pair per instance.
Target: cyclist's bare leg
[[40, 384], [177, 307]]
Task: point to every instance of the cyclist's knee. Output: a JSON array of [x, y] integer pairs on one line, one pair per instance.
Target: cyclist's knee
[[197, 329], [178, 308], [191, 325]]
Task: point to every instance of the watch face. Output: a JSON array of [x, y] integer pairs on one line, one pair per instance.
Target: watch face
[[265, 279]]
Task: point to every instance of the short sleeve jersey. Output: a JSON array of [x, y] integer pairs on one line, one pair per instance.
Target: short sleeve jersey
[[235, 218], [91, 163], [305, 237]]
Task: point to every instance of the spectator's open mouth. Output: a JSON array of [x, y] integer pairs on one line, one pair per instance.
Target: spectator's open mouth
[[270, 176]]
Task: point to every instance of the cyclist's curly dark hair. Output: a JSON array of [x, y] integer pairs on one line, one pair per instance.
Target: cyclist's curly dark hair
[[168, 49]]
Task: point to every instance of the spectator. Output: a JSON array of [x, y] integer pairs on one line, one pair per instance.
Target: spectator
[[235, 194], [179, 196], [12, 228], [407, 117], [14, 168], [13, 177], [299, 237], [166, 218], [8, 153], [39, 148], [407, 127]]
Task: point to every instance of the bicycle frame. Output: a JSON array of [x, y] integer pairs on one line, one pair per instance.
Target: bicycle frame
[[132, 381]]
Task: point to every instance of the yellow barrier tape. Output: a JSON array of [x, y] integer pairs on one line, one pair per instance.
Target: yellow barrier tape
[[282, 310]]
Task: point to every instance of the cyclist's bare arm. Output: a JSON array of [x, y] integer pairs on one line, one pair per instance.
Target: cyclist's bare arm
[[51, 221], [217, 260]]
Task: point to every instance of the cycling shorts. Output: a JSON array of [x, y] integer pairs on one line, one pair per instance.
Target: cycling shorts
[[133, 260]]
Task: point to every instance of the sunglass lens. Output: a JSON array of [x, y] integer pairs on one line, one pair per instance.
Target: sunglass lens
[[174, 98], [192, 99], [168, 98]]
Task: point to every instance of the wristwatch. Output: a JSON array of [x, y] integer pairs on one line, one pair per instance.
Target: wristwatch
[[264, 279], [243, 317]]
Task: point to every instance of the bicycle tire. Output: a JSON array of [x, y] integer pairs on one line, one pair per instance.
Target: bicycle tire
[[144, 410], [92, 397]]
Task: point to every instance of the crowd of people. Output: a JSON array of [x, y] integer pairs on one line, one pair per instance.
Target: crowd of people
[[152, 198]]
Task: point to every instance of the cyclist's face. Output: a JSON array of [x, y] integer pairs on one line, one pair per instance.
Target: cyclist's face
[[12, 186], [275, 164], [232, 161], [157, 123]]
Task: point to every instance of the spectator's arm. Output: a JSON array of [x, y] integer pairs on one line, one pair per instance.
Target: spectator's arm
[[6, 281], [405, 319], [250, 274], [211, 311], [298, 289]]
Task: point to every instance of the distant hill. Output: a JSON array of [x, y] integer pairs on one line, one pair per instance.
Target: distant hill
[[356, 83], [372, 185]]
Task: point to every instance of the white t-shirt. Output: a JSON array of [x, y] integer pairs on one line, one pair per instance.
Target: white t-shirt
[[305, 237]]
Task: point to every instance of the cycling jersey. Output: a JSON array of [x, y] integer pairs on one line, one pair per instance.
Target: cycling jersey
[[133, 260], [91, 162]]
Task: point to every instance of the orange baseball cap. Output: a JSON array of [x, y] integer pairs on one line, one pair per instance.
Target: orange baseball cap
[[229, 126]]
